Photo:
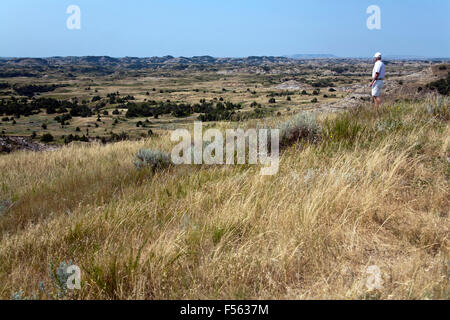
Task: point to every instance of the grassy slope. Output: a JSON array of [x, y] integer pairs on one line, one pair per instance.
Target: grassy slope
[[373, 191]]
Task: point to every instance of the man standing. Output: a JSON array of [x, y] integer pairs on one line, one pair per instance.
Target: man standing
[[377, 80]]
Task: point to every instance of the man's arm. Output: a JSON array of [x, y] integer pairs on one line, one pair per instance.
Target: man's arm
[[375, 79]]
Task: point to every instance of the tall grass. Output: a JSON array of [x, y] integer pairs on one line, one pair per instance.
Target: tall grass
[[368, 195]]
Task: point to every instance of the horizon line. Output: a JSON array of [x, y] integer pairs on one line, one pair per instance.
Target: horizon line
[[307, 56]]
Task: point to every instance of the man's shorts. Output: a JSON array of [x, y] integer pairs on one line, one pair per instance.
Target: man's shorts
[[376, 89]]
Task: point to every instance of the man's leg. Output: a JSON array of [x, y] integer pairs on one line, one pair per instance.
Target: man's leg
[[374, 96], [378, 99]]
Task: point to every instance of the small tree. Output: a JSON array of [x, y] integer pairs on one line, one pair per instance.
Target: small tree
[[47, 138]]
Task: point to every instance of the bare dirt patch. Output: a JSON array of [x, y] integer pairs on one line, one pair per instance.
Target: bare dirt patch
[[293, 85]]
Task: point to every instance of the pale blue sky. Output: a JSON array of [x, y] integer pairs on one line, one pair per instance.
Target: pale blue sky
[[37, 28]]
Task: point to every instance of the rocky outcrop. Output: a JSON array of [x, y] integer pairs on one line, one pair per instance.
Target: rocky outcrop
[[9, 144]]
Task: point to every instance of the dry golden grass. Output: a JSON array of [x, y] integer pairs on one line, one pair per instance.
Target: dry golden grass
[[309, 232]]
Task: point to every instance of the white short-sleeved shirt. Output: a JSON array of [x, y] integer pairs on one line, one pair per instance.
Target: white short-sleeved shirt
[[379, 67]]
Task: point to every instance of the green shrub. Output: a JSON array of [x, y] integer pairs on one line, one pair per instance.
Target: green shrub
[[153, 159], [301, 127], [47, 138], [442, 85], [119, 137], [388, 124], [439, 109], [59, 277], [4, 206], [322, 83]]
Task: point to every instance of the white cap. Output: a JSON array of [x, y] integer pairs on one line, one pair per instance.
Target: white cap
[[377, 55]]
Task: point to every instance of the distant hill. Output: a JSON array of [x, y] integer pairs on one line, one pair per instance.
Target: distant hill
[[104, 65], [412, 57], [130, 62], [311, 56]]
